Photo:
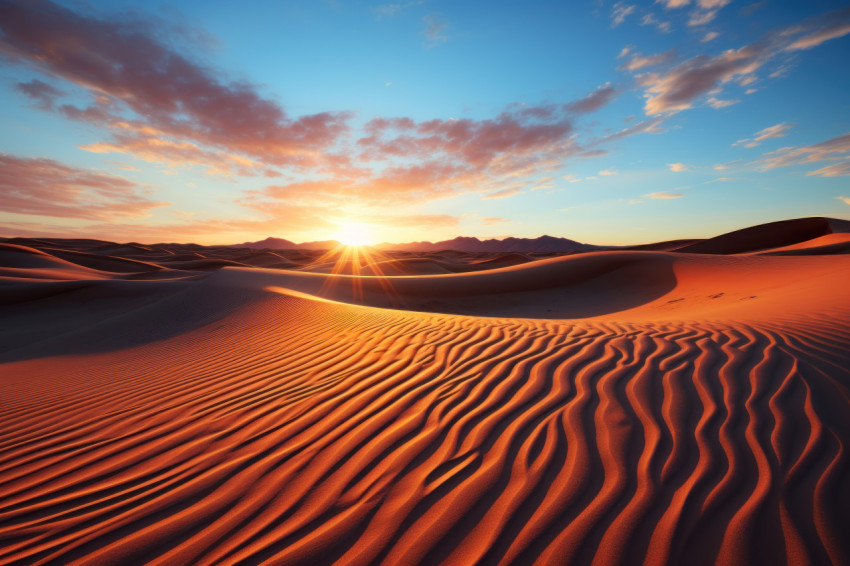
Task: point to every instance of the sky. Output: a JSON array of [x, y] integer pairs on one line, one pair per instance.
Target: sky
[[222, 122]]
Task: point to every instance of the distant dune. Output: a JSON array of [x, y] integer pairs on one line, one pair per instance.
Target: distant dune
[[683, 402]]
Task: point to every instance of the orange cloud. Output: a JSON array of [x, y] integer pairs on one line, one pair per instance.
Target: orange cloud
[[126, 67], [46, 187]]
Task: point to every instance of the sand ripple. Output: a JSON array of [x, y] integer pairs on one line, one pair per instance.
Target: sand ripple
[[293, 431]]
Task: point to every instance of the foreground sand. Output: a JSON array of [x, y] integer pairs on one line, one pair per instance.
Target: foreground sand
[[608, 408]]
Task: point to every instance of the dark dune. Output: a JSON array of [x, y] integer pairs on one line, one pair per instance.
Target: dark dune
[[763, 236]]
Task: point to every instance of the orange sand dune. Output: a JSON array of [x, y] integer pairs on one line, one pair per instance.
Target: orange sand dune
[[770, 235], [624, 407], [838, 243]]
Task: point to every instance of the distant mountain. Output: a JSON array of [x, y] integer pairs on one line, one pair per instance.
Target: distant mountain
[[467, 244], [282, 244], [461, 244], [268, 244]]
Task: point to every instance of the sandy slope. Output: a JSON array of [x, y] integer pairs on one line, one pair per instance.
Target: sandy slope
[[684, 409]]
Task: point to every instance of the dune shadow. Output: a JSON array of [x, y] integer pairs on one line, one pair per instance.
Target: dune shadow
[[66, 318], [575, 287]]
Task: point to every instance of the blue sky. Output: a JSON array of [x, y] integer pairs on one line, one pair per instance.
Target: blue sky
[[605, 122]]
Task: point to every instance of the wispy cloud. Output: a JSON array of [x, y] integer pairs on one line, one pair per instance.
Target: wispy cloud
[[608, 172], [845, 200], [663, 195], [593, 101], [651, 20], [841, 169], [651, 126], [434, 31], [677, 167], [43, 94], [638, 61], [620, 12], [836, 149], [706, 11], [46, 187], [504, 193], [681, 86], [776, 131], [837, 25], [718, 103]]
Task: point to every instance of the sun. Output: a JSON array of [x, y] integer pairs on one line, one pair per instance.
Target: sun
[[353, 234]]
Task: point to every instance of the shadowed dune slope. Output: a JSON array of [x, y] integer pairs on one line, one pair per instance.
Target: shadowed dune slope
[[622, 285]]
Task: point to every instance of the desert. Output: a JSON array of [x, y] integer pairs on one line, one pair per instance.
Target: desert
[[421, 282], [609, 406]]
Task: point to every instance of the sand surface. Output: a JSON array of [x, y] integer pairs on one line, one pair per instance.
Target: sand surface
[[186, 405]]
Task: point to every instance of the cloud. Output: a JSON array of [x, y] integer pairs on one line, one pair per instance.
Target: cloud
[[775, 131], [544, 183], [415, 161], [620, 13], [493, 220], [678, 88], [638, 61], [826, 28], [593, 101], [45, 187], [710, 36], [718, 103], [646, 126], [427, 221], [845, 200], [434, 30], [837, 170], [608, 172], [663, 195], [674, 3], [43, 94], [651, 20], [504, 193], [677, 167], [129, 68], [724, 180], [707, 11], [836, 149]]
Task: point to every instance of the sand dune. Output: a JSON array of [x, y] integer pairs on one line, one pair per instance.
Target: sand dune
[[766, 236], [838, 243], [615, 407]]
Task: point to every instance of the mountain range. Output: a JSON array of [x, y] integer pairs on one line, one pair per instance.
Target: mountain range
[[461, 243]]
